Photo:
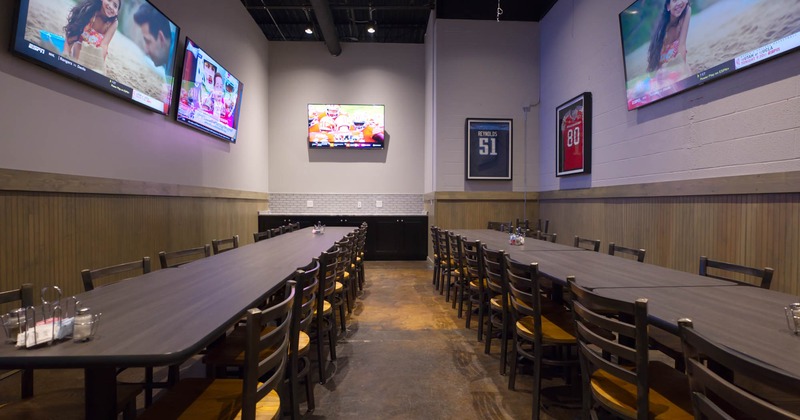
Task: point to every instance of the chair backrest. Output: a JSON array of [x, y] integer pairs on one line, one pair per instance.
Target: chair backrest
[[266, 355], [501, 226], [23, 295], [588, 244], [727, 271], [638, 254], [276, 231], [288, 228], [130, 269], [435, 243], [260, 236], [525, 296], [544, 227], [714, 371], [344, 258], [472, 262], [597, 320], [307, 286], [178, 258], [492, 262], [444, 246], [224, 245], [295, 226], [456, 251], [328, 262], [544, 236]]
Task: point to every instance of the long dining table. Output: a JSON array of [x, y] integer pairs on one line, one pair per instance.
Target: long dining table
[[166, 316], [749, 320]]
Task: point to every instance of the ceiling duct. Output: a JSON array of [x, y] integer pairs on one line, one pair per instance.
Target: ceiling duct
[[322, 10]]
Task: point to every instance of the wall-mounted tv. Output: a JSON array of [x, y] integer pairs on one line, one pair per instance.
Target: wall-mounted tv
[[124, 47], [673, 45], [210, 97], [352, 126]]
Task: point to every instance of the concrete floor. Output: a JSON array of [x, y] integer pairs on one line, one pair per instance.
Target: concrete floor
[[405, 355]]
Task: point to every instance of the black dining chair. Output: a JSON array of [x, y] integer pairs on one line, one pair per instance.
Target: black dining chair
[[761, 277], [174, 259], [727, 384], [587, 244], [224, 245], [21, 298], [619, 250], [260, 236], [253, 396], [618, 374]]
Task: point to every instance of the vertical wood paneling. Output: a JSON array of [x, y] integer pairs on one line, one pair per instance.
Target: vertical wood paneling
[[750, 229], [49, 237]]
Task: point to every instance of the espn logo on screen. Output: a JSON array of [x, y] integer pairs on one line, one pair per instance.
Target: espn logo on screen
[[36, 48]]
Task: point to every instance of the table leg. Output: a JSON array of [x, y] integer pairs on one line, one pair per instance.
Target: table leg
[[101, 392]]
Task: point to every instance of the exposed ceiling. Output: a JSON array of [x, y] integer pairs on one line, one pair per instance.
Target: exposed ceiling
[[397, 21]]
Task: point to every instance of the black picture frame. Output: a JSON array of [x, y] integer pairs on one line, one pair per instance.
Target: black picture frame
[[488, 148], [574, 136]]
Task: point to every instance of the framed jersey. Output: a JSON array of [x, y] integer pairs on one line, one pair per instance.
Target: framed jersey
[[574, 136], [488, 148]]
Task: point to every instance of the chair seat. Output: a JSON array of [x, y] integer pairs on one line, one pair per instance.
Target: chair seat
[[475, 286], [209, 399], [555, 329], [231, 351], [67, 403], [669, 393], [326, 308], [339, 286]]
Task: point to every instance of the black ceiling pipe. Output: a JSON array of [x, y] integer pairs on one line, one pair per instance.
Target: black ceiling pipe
[[322, 9]]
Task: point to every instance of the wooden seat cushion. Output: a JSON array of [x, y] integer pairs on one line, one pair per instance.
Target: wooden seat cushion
[[338, 287], [473, 285], [193, 399], [555, 329], [326, 308], [669, 393]]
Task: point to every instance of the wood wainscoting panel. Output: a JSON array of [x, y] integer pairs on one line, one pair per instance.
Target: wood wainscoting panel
[[49, 237], [750, 229]]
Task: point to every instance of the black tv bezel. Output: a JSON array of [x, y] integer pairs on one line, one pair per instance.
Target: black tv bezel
[[84, 80], [709, 73], [343, 147], [197, 126]]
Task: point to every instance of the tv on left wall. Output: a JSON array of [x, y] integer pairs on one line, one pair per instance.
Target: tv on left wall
[[123, 47]]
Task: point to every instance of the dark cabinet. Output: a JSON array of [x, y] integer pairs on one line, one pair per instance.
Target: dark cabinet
[[388, 237]]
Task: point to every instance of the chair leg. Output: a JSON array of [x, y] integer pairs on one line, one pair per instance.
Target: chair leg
[[461, 299], [504, 344], [512, 374], [342, 319], [488, 341], [481, 315], [148, 386], [469, 313], [27, 383], [310, 404]]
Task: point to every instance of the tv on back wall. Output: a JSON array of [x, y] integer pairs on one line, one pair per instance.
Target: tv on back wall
[[673, 45], [124, 47], [210, 97], [350, 126]]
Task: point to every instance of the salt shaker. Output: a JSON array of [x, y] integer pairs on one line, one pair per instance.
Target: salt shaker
[[82, 329]]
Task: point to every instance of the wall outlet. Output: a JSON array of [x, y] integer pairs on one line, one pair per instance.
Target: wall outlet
[[358, 205], [379, 203], [310, 203]]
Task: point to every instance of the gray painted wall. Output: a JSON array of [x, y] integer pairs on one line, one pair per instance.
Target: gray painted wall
[[746, 123], [50, 123], [389, 74]]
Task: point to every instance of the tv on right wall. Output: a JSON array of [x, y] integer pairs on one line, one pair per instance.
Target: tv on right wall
[[672, 45]]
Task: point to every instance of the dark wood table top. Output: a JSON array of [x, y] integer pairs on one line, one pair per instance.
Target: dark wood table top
[[166, 316], [749, 320], [499, 240]]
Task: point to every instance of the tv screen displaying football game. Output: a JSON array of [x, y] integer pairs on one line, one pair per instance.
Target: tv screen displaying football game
[[359, 126], [673, 45]]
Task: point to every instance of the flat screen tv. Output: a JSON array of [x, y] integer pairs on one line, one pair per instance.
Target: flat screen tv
[[673, 45], [124, 47], [351, 126], [210, 97]]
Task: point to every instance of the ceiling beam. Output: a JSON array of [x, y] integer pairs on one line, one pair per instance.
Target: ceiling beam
[[322, 10]]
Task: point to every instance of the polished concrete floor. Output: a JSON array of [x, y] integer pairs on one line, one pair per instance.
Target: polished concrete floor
[[405, 355]]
